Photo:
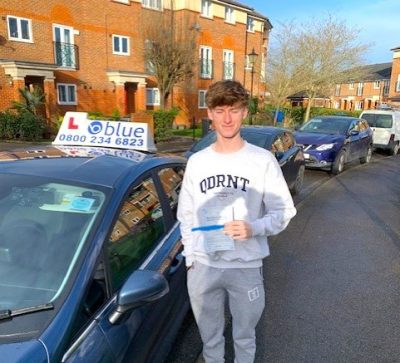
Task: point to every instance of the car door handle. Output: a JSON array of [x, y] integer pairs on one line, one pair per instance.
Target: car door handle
[[176, 264]]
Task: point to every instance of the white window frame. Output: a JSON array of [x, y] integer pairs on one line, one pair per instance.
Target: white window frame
[[153, 4], [358, 106], [228, 55], [120, 37], [360, 88], [398, 84], [66, 86], [208, 50], [202, 97], [65, 46], [247, 64], [155, 95], [250, 26], [377, 84], [19, 29], [351, 85], [229, 14], [206, 8], [337, 90]]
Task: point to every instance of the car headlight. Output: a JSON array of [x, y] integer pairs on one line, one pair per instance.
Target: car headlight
[[324, 147]]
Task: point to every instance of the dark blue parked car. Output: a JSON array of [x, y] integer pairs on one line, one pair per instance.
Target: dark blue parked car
[[329, 142], [279, 141], [91, 268]]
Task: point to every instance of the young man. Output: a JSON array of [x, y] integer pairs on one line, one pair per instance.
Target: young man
[[233, 196]]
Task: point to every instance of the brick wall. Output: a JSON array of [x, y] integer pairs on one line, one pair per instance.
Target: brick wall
[[93, 23]]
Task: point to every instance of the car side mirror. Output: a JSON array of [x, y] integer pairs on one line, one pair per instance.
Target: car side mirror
[[142, 287], [297, 127]]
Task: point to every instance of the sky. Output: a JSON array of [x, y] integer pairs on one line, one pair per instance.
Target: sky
[[378, 21]]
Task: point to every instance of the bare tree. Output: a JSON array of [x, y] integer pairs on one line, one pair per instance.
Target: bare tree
[[327, 50], [313, 58], [284, 68], [169, 50]]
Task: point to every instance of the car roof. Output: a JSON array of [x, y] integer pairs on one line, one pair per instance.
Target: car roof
[[97, 166]]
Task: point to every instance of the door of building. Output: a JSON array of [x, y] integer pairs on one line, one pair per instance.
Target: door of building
[[130, 91]]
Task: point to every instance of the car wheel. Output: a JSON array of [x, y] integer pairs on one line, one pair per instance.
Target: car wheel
[[395, 149], [298, 183], [338, 164], [367, 157]]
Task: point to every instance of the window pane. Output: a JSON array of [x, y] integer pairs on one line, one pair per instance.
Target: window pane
[[62, 94], [202, 100], [171, 180], [25, 29], [116, 44], [138, 229], [149, 96], [71, 93], [124, 45], [12, 24], [156, 96]]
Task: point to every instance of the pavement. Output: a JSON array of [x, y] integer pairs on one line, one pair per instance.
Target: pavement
[[176, 145]]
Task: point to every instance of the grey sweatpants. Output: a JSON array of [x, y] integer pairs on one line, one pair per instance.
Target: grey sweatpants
[[208, 288]]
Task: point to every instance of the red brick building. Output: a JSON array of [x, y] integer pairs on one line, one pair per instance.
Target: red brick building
[[394, 90], [88, 55], [365, 92]]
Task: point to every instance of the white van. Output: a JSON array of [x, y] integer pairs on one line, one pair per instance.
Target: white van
[[386, 127]]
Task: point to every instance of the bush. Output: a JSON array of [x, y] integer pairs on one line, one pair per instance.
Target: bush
[[163, 120], [116, 115], [263, 118], [296, 114], [9, 125], [24, 125], [31, 126], [95, 115]]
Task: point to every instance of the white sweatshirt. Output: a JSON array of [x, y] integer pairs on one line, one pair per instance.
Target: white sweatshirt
[[248, 184]]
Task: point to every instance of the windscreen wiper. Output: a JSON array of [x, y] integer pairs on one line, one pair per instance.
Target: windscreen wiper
[[8, 314]]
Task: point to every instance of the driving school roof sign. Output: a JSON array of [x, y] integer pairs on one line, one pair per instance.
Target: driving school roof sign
[[77, 129]]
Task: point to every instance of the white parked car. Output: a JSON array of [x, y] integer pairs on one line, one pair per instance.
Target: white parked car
[[386, 127]]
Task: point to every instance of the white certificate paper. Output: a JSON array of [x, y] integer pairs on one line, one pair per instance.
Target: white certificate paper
[[214, 239]]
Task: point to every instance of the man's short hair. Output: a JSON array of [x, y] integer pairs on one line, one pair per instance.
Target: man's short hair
[[226, 93]]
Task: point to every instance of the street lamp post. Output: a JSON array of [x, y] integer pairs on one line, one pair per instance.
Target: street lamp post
[[252, 59]]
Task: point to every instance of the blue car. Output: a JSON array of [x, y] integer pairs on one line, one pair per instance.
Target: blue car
[[329, 142], [91, 268], [275, 139]]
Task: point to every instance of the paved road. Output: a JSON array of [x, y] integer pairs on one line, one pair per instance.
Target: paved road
[[333, 279]]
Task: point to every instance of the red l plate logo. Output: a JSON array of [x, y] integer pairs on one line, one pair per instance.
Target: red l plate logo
[[71, 124]]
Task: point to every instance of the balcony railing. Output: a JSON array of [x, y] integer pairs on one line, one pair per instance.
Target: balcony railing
[[66, 55], [206, 68], [228, 70]]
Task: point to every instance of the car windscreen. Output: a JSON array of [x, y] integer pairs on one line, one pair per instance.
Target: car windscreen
[[327, 126], [384, 121], [204, 142], [43, 226], [260, 139]]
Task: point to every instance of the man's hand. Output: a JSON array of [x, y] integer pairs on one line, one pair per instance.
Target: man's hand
[[238, 230]]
